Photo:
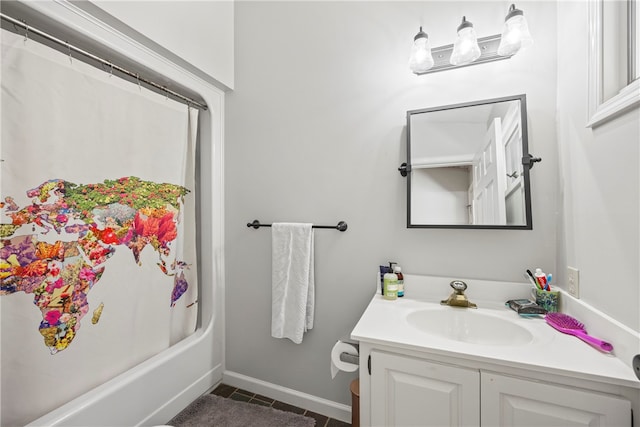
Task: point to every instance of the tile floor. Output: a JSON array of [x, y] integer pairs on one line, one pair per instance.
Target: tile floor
[[246, 396]]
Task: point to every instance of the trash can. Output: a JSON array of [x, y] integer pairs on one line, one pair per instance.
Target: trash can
[[355, 403]]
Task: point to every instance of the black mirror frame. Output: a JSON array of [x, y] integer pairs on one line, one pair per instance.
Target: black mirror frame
[[527, 160]]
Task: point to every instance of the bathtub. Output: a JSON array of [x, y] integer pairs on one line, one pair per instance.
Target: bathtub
[[155, 390], [151, 393]]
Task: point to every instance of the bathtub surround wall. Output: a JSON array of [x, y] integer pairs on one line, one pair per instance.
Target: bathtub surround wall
[[316, 132]]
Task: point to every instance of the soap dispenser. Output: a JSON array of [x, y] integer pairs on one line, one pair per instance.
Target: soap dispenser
[[390, 282]]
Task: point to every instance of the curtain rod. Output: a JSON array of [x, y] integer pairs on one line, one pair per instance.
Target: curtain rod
[[29, 29]]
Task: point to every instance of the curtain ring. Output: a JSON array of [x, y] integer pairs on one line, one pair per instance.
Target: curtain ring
[[69, 49], [110, 69], [138, 79], [26, 32]]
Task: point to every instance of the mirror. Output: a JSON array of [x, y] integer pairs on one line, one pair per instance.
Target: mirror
[[468, 165]]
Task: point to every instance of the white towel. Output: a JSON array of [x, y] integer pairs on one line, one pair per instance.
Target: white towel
[[292, 280]]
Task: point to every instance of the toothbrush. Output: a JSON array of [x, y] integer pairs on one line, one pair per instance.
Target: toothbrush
[[533, 279], [568, 325]]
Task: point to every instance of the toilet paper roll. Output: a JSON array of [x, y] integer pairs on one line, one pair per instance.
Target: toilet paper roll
[[337, 364]]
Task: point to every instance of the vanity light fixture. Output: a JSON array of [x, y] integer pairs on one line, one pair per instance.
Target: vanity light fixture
[[465, 49], [468, 49], [421, 59], [515, 35]]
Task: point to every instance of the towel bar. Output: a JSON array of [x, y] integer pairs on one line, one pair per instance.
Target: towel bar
[[342, 226]]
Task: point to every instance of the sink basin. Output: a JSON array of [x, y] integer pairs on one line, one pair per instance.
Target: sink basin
[[469, 326]]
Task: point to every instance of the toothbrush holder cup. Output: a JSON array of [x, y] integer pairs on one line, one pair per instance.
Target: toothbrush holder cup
[[549, 300]]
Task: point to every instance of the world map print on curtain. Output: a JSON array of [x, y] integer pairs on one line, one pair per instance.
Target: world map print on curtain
[[98, 260], [127, 212]]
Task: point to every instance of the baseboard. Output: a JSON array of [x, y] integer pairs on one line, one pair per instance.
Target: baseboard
[[316, 404]]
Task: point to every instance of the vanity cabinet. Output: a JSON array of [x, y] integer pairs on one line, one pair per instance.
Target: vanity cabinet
[[406, 391], [509, 401], [414, 391]]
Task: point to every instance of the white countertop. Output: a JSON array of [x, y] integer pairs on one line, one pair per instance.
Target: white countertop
[[384, 322]]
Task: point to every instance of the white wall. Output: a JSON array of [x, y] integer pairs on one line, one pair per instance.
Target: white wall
[[599, 184], [440, 195], [433, 140], [315, 131], [199, 32]]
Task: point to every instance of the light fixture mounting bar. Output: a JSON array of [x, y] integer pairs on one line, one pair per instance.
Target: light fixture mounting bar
[[488, 53]]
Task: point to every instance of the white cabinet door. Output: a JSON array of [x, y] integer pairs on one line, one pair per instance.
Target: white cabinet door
[[406, 391], [508, 401]]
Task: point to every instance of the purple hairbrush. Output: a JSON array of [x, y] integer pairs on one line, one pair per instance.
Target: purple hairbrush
[[568, 325]]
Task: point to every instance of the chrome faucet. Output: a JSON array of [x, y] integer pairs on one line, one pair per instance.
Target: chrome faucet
[[457, 297]]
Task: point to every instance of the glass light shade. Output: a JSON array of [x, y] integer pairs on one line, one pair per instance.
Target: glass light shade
[[515, 35], [421, 59], [465, 49]]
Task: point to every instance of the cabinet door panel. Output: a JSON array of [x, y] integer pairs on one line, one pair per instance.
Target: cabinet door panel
[[508, 401], [412, 392]]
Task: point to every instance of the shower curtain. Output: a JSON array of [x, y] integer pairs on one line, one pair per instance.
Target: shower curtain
[[98, 234]]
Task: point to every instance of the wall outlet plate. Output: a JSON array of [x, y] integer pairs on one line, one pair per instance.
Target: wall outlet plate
[[573, 282]]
